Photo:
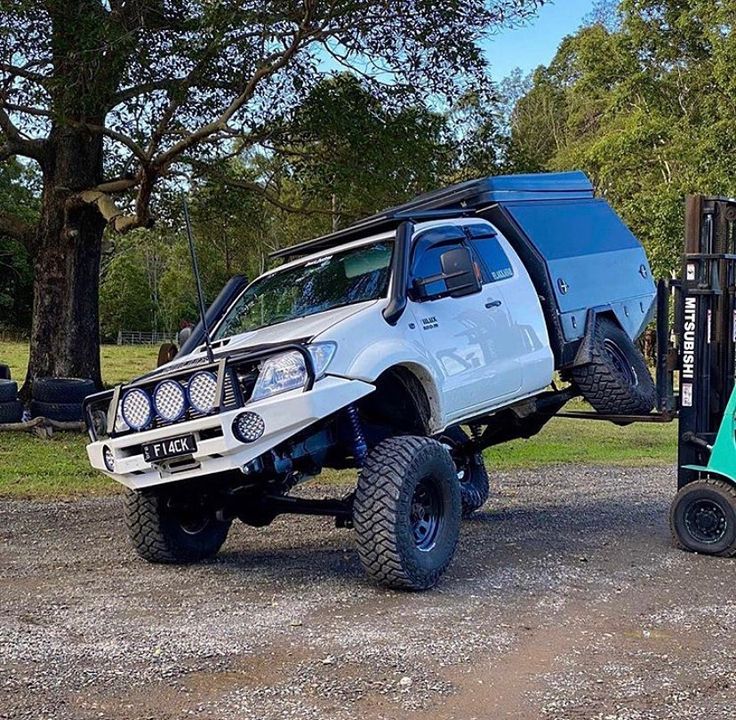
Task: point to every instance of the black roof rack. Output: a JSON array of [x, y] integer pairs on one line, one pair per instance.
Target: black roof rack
[[462, 199], [382, 222]]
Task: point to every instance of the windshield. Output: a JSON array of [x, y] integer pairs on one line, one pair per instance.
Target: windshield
[[343, 278]]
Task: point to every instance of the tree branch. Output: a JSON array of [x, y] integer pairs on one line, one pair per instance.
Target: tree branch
[[116, 217], [15, 142], [27, 110], [273, 65], [15, 71], [131, 144]]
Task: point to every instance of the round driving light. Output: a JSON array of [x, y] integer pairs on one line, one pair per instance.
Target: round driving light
[[169, 400], [248, 427], [202, 392], [136, 409], [109, 458]]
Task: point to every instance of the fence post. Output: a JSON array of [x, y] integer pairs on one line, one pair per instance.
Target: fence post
[[120, 337]]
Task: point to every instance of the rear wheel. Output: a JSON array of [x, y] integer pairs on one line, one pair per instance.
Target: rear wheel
[[703, 517], [406, 512], [471, 471], [166, 527], [617, 380]]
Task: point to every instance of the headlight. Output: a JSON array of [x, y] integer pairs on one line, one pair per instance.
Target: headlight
[[202, 391], [287, 371], [169, 400], [136, 409]]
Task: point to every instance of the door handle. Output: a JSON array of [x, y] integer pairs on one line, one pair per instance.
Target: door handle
[[493, 304]]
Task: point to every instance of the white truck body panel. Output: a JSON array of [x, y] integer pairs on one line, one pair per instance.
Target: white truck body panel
[[472, 354]]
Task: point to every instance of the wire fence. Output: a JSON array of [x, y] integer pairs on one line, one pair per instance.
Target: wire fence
[[135, 337]]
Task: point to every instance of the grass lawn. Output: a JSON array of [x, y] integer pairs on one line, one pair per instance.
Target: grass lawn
[[34, 468], [119, 362]]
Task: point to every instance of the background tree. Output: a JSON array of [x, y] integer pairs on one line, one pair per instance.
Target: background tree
[[344, 152], [18, 212], [643, 100], [110, 97]]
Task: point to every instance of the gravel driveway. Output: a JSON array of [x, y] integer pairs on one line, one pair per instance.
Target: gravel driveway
[[566, 600]]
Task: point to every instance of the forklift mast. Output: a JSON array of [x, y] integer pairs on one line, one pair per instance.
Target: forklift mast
[[705, 328]]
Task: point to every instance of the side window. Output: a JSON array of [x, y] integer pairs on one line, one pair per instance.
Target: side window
[[496, 265], [428, 264], [428, 249]]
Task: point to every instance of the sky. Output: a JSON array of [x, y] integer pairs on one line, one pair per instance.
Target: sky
[[535, 43]]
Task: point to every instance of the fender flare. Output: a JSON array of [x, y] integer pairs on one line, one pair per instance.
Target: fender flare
[[719, 474], [584, 354], [381, 357]]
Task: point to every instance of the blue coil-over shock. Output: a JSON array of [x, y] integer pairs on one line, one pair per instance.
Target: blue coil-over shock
[[360, 446]]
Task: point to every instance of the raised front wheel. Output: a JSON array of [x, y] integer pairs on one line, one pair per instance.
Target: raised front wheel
[[406, 512]]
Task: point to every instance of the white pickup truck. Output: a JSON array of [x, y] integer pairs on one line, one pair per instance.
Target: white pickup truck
[[373, 348]]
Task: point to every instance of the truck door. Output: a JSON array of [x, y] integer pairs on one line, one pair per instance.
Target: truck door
[[505, 280], [469, 337]]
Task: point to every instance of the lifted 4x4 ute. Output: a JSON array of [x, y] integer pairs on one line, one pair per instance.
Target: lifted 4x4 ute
[[372, 348]]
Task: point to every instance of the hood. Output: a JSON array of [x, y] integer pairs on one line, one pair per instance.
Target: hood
[[298, 330]]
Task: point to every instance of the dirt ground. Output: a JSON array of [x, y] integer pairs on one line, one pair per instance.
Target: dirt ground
[[566, 600]]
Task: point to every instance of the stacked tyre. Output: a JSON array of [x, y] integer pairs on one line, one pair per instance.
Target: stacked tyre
[[60, 399], [11, 409]]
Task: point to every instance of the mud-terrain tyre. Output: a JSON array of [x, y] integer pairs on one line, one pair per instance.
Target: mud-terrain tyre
[[61, 412], [406, 512], [163, 531], [703, 517], [8, 390], [4, 372], [617, 381], [471, 472], [65, 391], [11, 412]]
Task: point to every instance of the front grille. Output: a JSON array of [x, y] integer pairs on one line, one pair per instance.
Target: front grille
[[240, 378], [231, 399]]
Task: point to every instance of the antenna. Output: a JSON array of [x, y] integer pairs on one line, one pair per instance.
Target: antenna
[[195, 269]]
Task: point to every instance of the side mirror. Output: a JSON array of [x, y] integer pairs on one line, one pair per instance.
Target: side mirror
[[458, 277], [459, 271]]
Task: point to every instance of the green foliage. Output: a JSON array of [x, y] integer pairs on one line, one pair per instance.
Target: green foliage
[[646, 107], [16, 291], [344, 153], [353, 153]]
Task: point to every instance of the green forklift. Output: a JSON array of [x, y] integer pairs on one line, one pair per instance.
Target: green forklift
[[703, 513], [695, 369]]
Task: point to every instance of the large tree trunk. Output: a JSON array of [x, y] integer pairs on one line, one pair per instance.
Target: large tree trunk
[[65, 340]]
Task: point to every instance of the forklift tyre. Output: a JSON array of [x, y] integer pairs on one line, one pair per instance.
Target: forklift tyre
[[406, 512], [164, 530], [617, 380], [703, 517]]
